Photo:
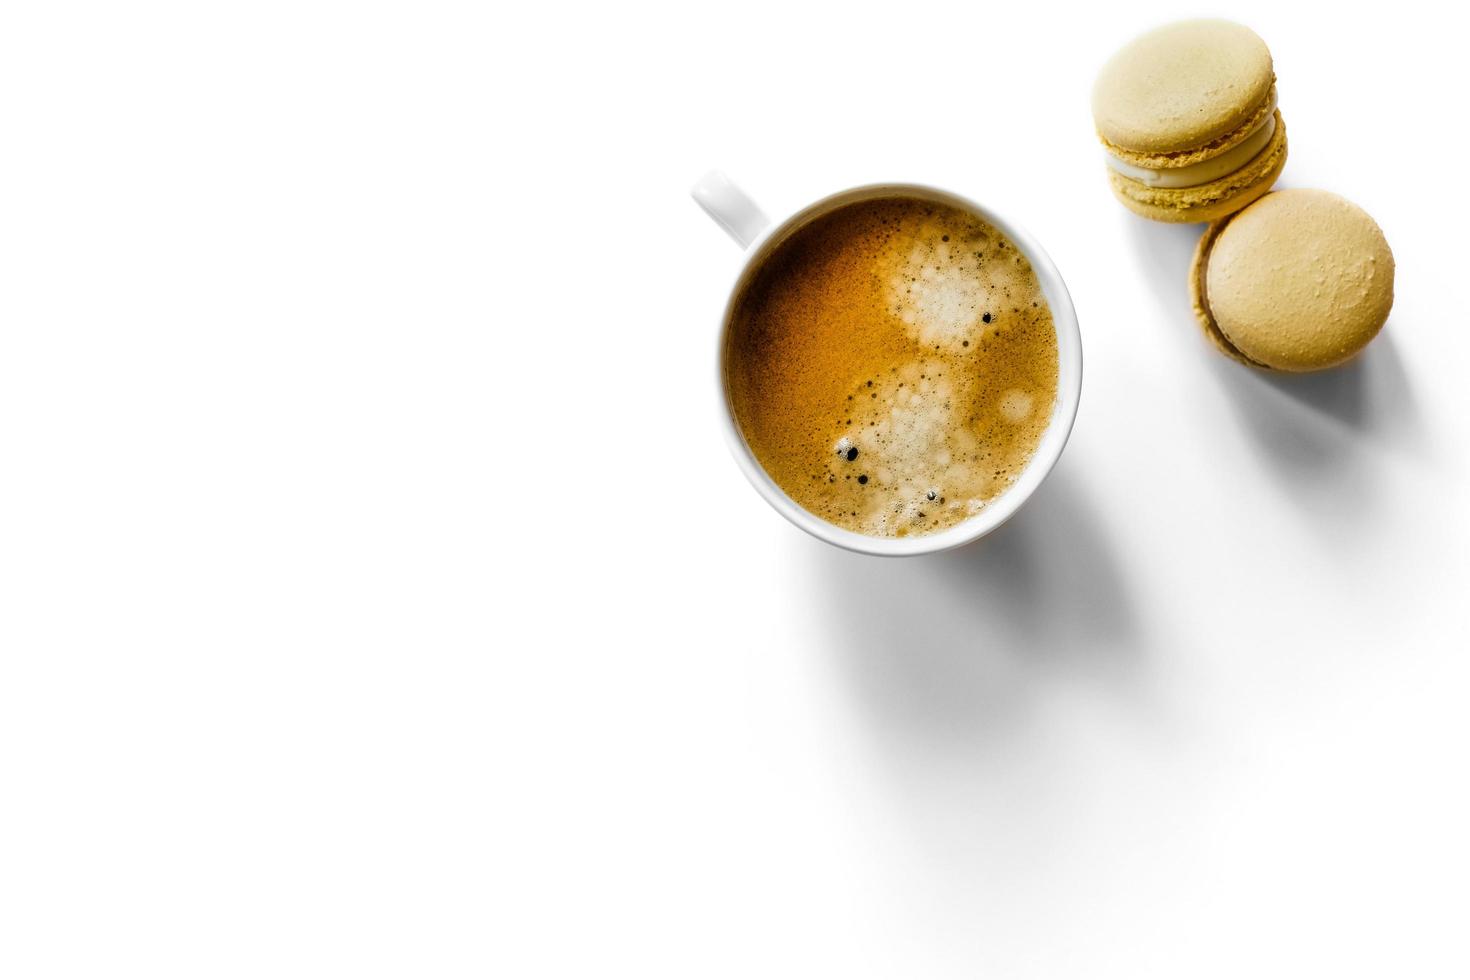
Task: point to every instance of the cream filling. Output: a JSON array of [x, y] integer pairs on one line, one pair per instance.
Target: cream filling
[[1206, 170]]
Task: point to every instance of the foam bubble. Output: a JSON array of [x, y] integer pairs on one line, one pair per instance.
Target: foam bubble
[[911, 437], [1016, 405], [936, 291]]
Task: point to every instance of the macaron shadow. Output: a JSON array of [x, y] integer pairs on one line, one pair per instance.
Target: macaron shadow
[[1370, 394], [1318, 434], [1325, 426], [1165, 253]]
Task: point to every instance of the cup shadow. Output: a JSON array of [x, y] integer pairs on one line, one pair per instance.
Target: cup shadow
[[951, 647]]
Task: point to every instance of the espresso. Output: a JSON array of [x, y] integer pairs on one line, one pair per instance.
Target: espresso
[[893, 365]]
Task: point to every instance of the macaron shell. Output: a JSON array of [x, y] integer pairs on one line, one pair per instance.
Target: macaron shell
[[1182, 87], [1206, 151], [1299, 281], [1206, 202]]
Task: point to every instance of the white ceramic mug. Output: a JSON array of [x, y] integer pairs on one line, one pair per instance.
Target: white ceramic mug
[[754, 232]]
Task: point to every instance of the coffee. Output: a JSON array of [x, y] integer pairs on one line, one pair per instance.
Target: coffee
[[892, 365]]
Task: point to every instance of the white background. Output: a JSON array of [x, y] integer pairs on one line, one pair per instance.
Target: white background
[[378, 599]]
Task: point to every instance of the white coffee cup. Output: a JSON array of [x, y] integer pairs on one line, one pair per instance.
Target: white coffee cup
[[754, 232]]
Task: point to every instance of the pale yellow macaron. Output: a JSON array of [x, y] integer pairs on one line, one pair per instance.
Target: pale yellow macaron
[[1298, 281], [1188, 121]]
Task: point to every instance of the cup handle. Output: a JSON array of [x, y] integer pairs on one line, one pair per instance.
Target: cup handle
[[732, 208]]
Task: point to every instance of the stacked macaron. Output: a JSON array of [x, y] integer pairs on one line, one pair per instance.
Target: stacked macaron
[[1298, 280], [1187, 114]]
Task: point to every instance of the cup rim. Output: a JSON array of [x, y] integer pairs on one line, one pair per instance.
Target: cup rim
[[1048, 450]]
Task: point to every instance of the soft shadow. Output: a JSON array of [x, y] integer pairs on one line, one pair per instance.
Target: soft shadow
[[955, 645], [1370, 394], [1322, 436], [1316, 433], [1165, 253], [980, 678]]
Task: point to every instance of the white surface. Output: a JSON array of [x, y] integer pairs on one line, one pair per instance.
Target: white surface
[[377, 598]]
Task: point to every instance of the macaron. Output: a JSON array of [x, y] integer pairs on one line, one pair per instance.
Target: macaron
[[1300, 280], [1187, 115]]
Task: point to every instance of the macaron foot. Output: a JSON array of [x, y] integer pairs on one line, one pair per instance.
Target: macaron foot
[[1199, 298]]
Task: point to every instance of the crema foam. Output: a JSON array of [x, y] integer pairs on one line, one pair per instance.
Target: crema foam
[[893, 365]]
